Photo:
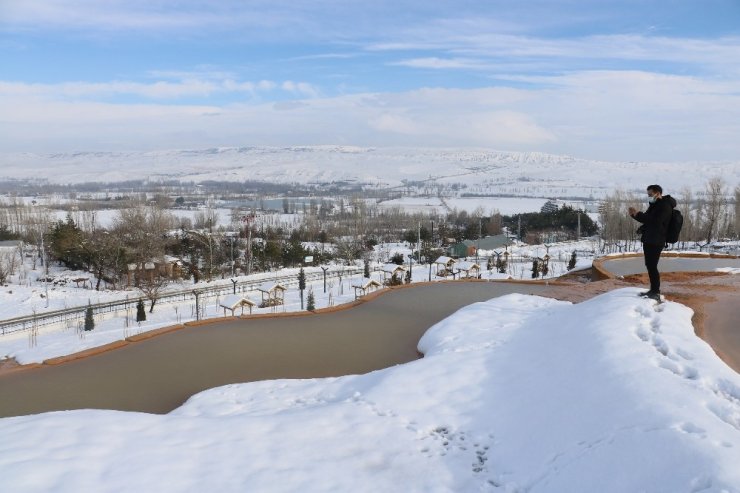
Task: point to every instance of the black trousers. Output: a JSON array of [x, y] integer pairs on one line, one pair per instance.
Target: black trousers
[[652, 255]]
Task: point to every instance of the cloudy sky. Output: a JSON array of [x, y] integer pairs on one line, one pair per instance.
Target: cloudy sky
[[602, 79]]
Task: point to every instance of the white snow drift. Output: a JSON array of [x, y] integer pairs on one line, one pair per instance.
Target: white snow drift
[[519, 393]]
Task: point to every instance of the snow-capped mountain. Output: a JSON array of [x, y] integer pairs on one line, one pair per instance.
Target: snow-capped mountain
[[484, 170]]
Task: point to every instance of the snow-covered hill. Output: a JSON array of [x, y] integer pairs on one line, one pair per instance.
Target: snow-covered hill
[[484, 171], [515, 394]]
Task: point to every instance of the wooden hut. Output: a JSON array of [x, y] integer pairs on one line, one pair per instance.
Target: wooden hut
[[272, 294], [364, 286], [234, 301], [445, 266], [468, 270], [391, 270]]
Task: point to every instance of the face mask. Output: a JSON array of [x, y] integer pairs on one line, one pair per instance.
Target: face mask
[[652, 199]]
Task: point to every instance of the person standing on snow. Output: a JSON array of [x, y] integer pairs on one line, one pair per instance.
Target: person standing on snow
[[654, 228]]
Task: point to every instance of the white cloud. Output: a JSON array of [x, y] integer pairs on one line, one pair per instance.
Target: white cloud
[[491, 49], [300, 88], [443, 63], [603, 115], [158, 90]]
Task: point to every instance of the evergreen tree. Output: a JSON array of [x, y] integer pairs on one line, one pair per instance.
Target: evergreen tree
[[89, 321], [544, 268], [572, 261], [535, 269], [366, 272], [501, 265], [310, 302], [408, 277], [140, 311], [301, 284]]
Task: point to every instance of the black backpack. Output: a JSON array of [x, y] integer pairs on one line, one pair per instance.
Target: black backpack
[[674, 227]]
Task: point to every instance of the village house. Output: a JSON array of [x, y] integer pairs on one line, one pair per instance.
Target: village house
[[469, 248]]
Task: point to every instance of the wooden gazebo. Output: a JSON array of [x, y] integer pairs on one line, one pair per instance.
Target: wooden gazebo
[[390, 270], [272, 294], [468, 269], [234, 301], [445, 266], [364, 286]]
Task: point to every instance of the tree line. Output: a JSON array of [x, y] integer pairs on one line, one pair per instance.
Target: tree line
[[710, 214]]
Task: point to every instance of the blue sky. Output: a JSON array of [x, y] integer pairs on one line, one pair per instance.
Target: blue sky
[[621, 80]]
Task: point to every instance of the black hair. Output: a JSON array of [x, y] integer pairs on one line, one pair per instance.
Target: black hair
[[655, 188]]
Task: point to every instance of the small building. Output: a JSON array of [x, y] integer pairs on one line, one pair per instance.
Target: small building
[[549, 207], [170, 266], [470, 248], [468, 270], [234, 301], [460, 250], [272, 293], [444, 266], [364, 286]]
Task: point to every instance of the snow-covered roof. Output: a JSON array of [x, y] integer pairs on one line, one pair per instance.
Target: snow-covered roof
[[269, 287], [467, 265], [365, 283], [391, 268], [233, 301], [445, 260]]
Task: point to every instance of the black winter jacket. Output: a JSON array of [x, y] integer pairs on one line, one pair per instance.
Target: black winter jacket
[[655, 220]]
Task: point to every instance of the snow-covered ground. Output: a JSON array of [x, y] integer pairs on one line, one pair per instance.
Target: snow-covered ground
[[433, 205], [519, 393], [28, 296]]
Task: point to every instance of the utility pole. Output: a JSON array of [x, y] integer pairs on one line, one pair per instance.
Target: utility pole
[[418, 242], [231, 242], [477, 243], [247, 221]]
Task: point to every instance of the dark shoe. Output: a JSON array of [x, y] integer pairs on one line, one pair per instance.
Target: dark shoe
[[646, 294], [655, 295]]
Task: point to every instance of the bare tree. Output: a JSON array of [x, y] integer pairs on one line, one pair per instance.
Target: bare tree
[[714, 206], [142, 231], [617, 228], [688, 231], [151, 286], [7, 266]]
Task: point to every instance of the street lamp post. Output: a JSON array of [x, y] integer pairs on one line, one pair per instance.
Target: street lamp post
[[324, 269]]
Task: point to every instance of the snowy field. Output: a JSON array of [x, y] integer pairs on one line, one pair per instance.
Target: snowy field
[[26, 295], [433, 205], [517, 394]]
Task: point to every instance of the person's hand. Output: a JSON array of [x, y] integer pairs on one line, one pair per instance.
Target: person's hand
[[632, 211]]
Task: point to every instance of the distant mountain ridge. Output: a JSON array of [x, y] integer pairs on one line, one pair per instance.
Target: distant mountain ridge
[[393, 166]]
